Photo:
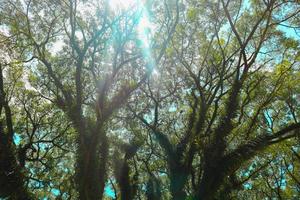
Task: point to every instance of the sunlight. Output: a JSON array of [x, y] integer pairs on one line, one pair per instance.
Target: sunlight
[[145, 28], [144, 25], [121, 4], [144, 35], [155, 74]]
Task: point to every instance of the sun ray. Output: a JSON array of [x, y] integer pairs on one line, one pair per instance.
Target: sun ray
[[145, 28]]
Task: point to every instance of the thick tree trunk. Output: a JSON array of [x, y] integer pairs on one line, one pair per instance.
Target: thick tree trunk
[[126, 182], [123, 178], [153, 189], [209, 185], [91, 165], [178, 179], [214, 173]]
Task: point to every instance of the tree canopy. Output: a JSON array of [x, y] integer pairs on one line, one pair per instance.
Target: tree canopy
[[171, 99]]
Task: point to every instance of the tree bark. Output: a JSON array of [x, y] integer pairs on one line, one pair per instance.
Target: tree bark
[[123, 178], [12, 182], [178, 179], [91, 165], [210, 184]]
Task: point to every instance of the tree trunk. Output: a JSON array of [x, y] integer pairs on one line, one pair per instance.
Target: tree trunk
[[91, 165], [153, 189], [12, 183], [124, 182], [209, 186], [178, 179], [213, 177], [213, 181]]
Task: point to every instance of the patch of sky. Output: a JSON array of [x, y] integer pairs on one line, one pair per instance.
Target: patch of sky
[[285, 27], [149, 117], [4, 29], [55, 191], [246, 173], [290, 167], [173, 108], [295, 148], [17, 139], [36, 184], [247, 186], [109, 191], [57, 45], [269, 120], [288, 31]]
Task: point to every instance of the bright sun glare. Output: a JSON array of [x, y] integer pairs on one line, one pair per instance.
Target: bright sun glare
[[144, 26], [121, 4]]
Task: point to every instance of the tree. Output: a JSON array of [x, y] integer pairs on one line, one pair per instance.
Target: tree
[[11, 176], [32, 133], [99, 67], [151, 100], [230, 87]]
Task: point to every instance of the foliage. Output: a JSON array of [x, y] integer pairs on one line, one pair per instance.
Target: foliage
[[151, 100]]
